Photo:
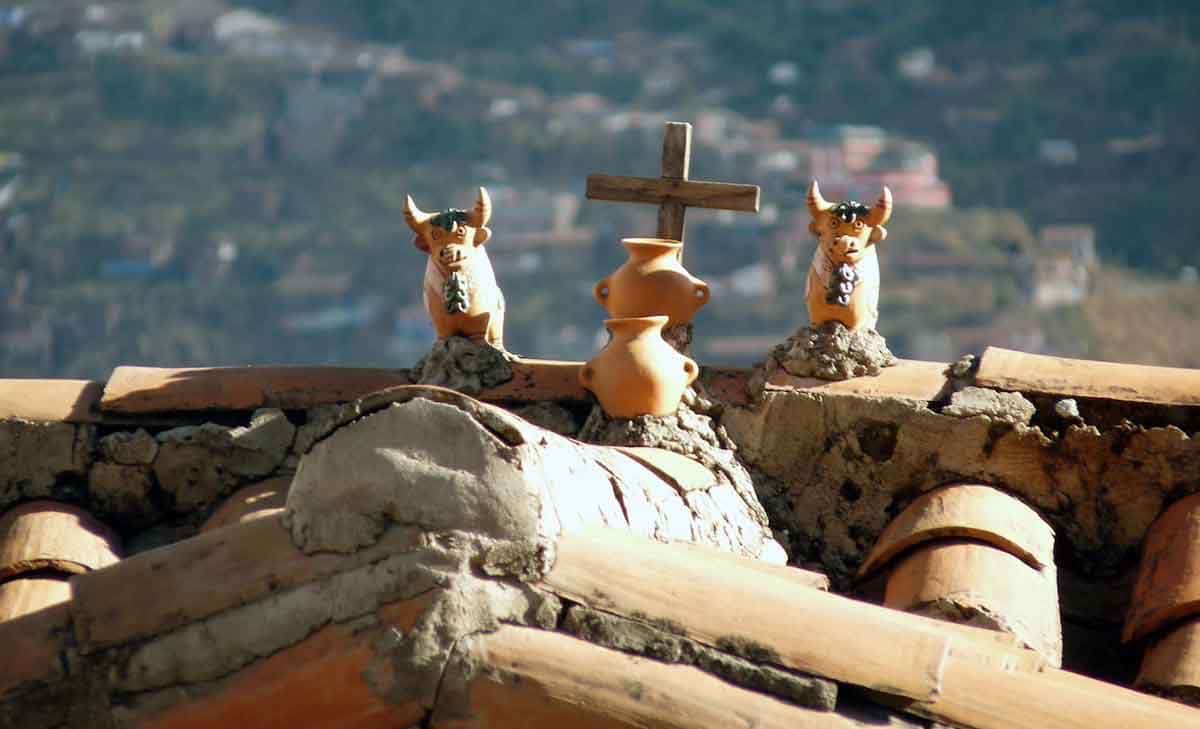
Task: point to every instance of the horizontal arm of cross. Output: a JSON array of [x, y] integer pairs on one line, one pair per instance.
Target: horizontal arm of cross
[[657, 190]]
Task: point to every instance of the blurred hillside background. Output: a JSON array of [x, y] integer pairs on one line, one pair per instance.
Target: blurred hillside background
[[215, 182]]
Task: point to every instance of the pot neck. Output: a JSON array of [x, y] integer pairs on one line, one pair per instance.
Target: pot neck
[[637, 326], [645, 249]]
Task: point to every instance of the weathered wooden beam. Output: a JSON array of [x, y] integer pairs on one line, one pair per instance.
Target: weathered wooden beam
[[676, 163], [693, 193]]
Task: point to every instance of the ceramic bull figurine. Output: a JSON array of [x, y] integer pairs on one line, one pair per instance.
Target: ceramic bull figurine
[[460, 289], [843, 282]]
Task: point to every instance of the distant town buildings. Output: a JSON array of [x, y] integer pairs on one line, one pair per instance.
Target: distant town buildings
[[854, 161], [1063, 265]]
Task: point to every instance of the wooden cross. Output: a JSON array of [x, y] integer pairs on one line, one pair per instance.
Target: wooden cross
[[673, 192]]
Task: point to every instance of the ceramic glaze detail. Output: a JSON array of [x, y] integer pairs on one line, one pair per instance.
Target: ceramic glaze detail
[[843, 281], [652, 282], [638, 373], [460, 290]]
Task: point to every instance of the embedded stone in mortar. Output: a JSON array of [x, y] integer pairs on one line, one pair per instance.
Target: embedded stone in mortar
[[1011, 407], [830, 351], [679, 337], [464, 365]]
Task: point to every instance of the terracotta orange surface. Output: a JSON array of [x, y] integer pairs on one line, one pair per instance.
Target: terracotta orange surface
[[68, 401], [952, 674], [727, 384], [981, 697], [1168, 584], [535, 380], [966, 510], [810, 630], [316, 683], [23, 595], [250, 502], [459, 289], [545, 679], [847, 236], [140, 390], [1005, 369], [202, 576], [32, 647], [652, 282], [676, 468], [910, 379], [637, 372], [48, 535], [1172, 661], [962, 577]]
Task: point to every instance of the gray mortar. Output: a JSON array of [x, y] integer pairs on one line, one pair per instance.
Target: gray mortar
[[197, 464], [836, 468], [217, 646], [679, 337], [692, 430], [124, 494], [132, 449], [41, 459], [418, 462], [464, 365], [1188, 695], [631, 636], [192, 661], [1010, 407], [549, 415], [1067, 410], [830, 351]]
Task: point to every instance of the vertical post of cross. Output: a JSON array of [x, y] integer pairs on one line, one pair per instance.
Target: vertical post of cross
[[676, 161]]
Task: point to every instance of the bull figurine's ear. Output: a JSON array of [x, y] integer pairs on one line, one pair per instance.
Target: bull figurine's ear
[[878, 234], [420, 243], [482, 235]]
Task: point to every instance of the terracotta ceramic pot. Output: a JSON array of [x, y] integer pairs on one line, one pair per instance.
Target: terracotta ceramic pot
[[638, 373], [652, 282]]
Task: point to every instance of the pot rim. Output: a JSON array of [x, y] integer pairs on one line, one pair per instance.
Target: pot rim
[[637, 322], [664, 243]]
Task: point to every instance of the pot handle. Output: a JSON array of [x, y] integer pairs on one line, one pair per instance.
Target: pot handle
[[601, 291], [691, 369], [701, 293]]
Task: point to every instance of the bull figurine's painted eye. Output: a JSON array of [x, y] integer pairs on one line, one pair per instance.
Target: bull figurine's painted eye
[[858, 225]]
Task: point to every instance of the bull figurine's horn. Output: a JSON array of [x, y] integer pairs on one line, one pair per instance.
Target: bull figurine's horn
[[482, 212], [816, 203], [882, 210], [416, 218]]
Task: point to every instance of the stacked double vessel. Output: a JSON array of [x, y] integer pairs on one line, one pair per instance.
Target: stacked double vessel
[[638, 372]]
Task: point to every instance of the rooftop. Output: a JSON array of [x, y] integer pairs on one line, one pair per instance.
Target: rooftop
[[992, 543]]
